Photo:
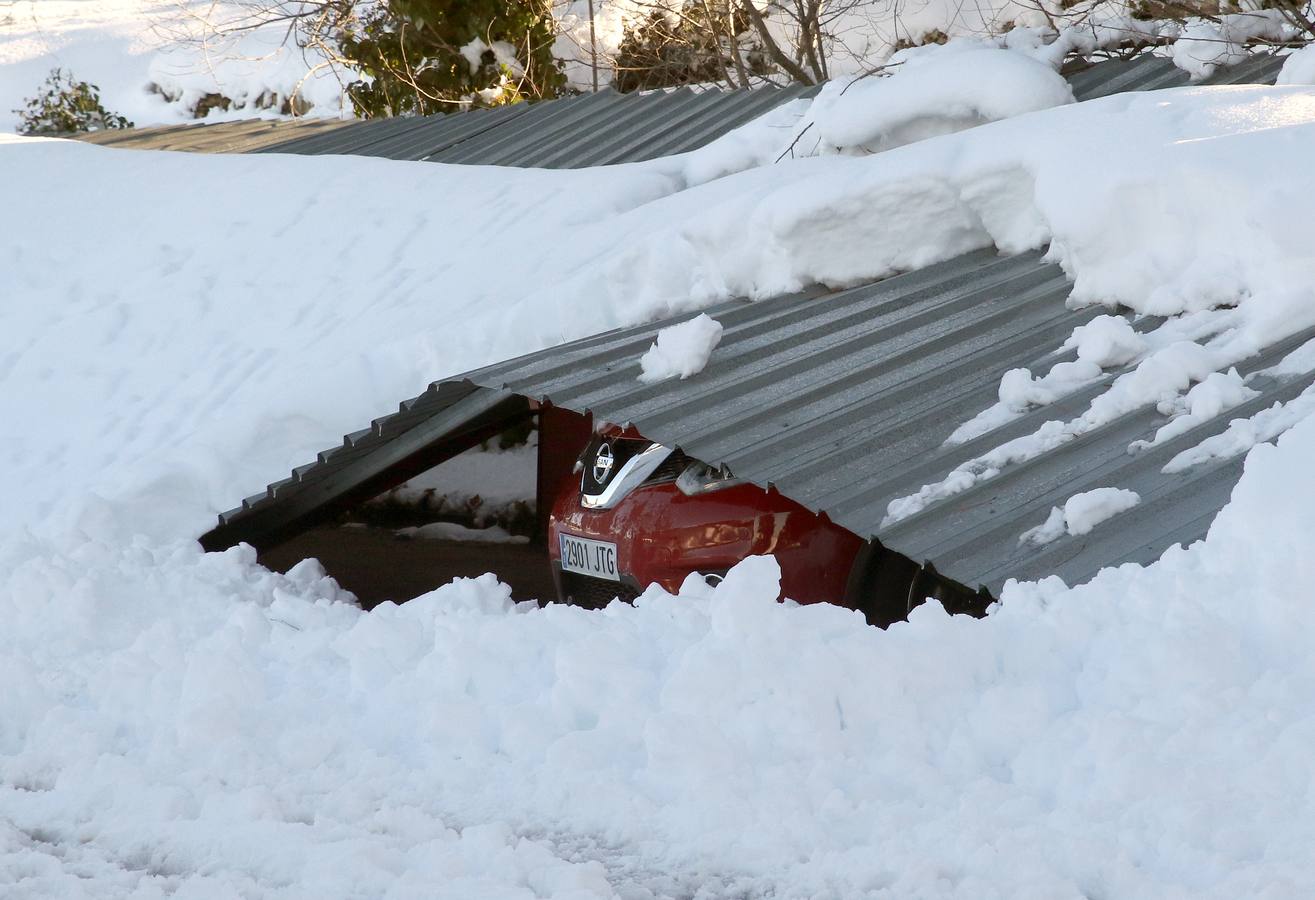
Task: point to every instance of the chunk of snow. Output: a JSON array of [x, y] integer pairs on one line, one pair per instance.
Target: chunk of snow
[[935, 91], [680, 350], [1107, 341], [1104, 341], [1081, 513], [1219, 391]]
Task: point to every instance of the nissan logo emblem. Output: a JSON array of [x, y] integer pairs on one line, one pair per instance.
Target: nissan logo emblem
[[603, 464]]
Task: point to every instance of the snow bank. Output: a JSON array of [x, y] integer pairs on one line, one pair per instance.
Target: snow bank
[[173, 721], [680, 351]]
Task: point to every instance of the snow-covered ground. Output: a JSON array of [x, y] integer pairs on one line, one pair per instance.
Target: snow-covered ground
[[180, 330], [126, 46]]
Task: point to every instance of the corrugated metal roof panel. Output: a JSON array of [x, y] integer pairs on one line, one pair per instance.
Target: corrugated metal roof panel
[[437, 133], [1148, 72], [585, 130], [523, 140]]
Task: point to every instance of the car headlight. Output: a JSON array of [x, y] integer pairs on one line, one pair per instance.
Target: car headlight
[[700, 478]]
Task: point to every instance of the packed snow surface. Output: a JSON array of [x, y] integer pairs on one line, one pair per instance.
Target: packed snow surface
[[680, 351], [191, 724]]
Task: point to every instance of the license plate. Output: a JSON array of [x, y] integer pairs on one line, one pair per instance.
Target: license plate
[[586, 557]]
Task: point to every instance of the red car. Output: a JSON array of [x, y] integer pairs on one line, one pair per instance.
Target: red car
[[637, 513]]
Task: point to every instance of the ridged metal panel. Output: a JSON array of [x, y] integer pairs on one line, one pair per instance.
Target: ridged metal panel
[[844, 402], [622, 138], [714, 117], [360, 139], [1148, 72], [589, 129], [440, 132], [516, 144]]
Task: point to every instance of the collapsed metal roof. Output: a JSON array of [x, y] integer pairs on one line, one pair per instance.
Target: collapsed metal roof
[[841, 401], [844, 402]]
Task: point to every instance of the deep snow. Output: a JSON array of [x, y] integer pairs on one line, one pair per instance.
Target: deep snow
[[173, 720], [190, 723]]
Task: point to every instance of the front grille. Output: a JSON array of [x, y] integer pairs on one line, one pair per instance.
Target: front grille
[[594, 593], [670, 469]]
